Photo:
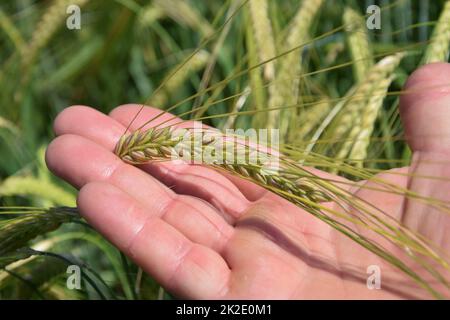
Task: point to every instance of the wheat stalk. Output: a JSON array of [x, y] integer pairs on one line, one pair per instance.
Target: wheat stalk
[[358, 42], [438, 49], [263, 34], [16, 232]]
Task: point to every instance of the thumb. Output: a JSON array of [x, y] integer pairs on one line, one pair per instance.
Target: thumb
[[425, 108]]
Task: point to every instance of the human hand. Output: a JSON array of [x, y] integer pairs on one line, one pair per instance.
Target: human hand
[[202, 234]]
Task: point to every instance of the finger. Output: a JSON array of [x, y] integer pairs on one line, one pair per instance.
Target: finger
[[425, 108], [80, 161], [425, 111], [184, 268], [193, 180], [89, 123]]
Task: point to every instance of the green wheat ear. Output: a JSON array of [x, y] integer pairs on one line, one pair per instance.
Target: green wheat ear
[[158, 144], [355, 119], [263, 35], [16, 232], [438, 49], [50, 23], [284, 92], [358, 43]]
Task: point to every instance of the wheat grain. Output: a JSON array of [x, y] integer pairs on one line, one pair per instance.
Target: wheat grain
[[358, 42], [438, 49], [263, 34]]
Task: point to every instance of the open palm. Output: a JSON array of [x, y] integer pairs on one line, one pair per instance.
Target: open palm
[[205, 235]]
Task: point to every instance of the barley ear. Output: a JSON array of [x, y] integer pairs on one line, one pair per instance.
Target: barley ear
[[258, 92], [48, 26], [359, 114], [16, 232], [263, 34], [284, 93], [438, 49], [358, 42], [162, 144]]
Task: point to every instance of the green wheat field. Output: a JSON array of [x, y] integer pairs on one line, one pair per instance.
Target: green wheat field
[[312, 69]]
